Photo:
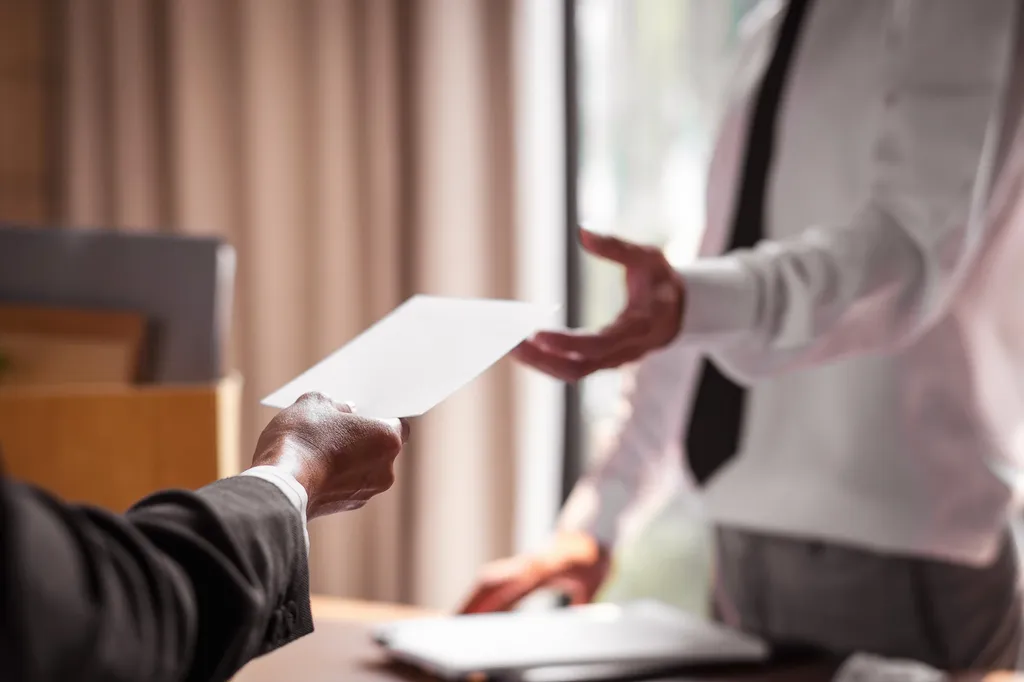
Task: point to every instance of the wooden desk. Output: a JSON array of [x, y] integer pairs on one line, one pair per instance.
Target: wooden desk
[[341, 651]]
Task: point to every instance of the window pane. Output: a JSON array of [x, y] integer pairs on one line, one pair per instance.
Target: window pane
[[651, 81]]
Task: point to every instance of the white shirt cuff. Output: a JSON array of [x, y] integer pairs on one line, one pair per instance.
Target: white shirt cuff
[[287, 484], [721, 301]]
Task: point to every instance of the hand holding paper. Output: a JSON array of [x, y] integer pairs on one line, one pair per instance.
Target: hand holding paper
[[339, 458]]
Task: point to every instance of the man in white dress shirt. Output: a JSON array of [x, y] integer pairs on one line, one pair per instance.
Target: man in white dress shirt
[[858, 434]]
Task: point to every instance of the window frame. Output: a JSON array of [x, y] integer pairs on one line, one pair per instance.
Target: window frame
[[574, 433]]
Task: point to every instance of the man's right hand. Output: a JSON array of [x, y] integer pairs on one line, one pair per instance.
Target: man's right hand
[[576, 565], [652, 318], [341, 459]]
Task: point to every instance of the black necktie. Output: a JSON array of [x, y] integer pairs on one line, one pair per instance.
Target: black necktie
[[714, 431]]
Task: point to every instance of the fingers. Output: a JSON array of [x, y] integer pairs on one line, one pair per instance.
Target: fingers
[[401, 427], [562, 366], [397, 427], [492, 596], [579, 596], [579, 343], [314, 397], [612, 248], [570, 365], [626, 328], [383, 437], [382, 480], [501, 595], [387, 435], [319, 397], [480, 597]]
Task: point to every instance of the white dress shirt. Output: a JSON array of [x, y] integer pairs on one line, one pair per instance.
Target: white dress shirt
[[288, 485], [881, 325]]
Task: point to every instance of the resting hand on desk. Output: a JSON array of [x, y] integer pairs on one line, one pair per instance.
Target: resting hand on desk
[[576, 565]]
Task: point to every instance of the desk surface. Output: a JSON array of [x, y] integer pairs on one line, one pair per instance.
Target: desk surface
[[341, 650]]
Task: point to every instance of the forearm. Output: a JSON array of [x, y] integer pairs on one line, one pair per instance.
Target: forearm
[[251, 538], [818, 297], [182, 587]]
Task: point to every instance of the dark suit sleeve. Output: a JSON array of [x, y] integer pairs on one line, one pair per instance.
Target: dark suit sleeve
[[184, 586]]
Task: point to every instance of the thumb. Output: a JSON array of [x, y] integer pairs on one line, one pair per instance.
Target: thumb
[[400, 426]]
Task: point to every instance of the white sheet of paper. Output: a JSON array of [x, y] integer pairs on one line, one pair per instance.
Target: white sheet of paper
[[419, 354]]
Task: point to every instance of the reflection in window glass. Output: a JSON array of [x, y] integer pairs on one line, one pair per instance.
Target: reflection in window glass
[[652, 75]]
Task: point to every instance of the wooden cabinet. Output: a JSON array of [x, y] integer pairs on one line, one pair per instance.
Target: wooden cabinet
[[111, 446]]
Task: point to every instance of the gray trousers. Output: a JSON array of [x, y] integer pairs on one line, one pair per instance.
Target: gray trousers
[[847, 600]]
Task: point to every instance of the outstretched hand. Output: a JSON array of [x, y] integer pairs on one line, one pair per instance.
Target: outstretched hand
[[656, 297]]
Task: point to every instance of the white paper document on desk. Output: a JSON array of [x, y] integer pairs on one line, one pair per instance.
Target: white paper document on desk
[[419, 354], [592, 642]]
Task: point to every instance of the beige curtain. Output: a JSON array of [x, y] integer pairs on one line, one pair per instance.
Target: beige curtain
[[354, 152]]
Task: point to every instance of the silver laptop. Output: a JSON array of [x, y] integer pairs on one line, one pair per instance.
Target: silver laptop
[[593, 642]]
